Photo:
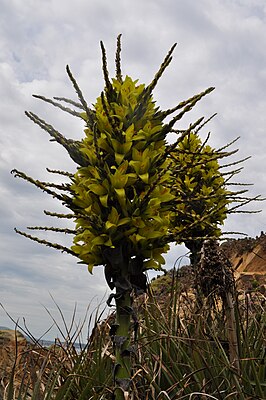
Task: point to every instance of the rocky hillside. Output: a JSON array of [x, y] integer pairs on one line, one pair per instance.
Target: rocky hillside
[[248, 258], [12, 345]]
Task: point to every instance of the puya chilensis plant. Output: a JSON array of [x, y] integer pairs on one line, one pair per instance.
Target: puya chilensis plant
[[121, 197], [203, 199]]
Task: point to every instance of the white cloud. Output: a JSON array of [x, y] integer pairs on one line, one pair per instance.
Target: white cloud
[[220, 43]]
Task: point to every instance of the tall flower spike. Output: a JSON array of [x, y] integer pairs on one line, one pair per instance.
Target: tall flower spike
[[140, 109], [161, 70], [118, 59], [89, 112], [109, 90], [112, 121]]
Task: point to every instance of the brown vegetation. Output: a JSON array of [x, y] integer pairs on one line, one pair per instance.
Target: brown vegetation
[[248, 259]]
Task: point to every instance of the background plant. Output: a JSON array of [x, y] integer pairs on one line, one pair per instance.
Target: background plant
[[203, 189]]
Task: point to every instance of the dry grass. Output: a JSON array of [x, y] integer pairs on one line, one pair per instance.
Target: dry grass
[[180, 354]]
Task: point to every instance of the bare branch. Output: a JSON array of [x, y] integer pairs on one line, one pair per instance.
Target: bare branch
[[229, 144], [172, 147], [89, 112], [40, 185], [46, 243], [72, 146], [72, 102], [58, 215], [54, 103], [203, 124], [57, 171], [193, 101], [53, 229], [235, 162], [159, 73]]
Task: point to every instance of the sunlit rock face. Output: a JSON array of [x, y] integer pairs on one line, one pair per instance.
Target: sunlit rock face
[[12, 346]]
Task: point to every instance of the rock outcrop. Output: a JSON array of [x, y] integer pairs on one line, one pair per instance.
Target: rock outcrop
[[12, 347], [248, 258]]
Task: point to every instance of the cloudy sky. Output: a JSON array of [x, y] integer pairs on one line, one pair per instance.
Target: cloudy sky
[[221, 43]]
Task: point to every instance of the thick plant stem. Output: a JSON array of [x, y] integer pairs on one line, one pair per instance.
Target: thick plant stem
[[195, 255], [232, 332], [195, 248], [122, 372]]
